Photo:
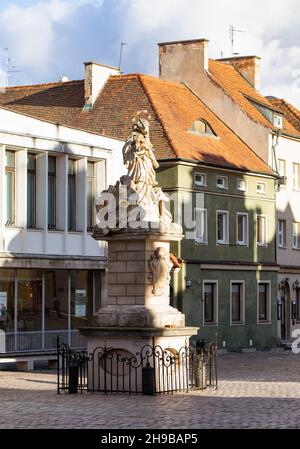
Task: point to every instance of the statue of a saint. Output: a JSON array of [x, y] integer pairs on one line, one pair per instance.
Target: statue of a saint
[[140, 160]]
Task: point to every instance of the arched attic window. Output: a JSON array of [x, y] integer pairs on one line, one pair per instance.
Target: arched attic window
[[201, 127]]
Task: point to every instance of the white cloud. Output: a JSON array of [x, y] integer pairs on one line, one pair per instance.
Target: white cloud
[[268, 25], [29, 31]]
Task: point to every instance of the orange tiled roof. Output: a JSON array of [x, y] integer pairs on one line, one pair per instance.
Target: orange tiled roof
[[172, 107], [291, 113], [238, 88]]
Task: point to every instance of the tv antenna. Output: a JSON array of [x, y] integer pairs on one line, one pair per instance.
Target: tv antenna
[[8, 67], [232, 32], [121, 51]]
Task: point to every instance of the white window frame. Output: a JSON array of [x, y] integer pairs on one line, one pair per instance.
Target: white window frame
[[226, 241], [296, 176], [225, 186], [240, 323], [197, 183], [284, 164], [246, 242], [269, 320], [295, 235], [237, 185], [199, 209], [265, 243], [216, 303], [261, 192], [282, 234]]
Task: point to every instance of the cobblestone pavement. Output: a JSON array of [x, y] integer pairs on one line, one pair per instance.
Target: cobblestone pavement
[[257, 390]]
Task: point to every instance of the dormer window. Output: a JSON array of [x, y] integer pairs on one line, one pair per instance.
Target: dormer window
[[277, 121], [201, 127]]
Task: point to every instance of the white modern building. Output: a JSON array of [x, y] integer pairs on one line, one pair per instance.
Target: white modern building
[[51, 269]]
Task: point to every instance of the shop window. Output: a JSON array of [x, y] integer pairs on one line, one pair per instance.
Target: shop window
[[237, 302], [29, 284], [7, 292], [81, 297], [56, 300]]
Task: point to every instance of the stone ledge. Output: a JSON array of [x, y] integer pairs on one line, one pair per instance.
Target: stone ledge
[[94, 331]]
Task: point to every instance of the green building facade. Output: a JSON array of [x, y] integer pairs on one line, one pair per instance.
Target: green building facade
[[228, 281]]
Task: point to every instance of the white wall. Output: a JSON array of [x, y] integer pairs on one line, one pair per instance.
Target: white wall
[[23, 134], [288, 200]]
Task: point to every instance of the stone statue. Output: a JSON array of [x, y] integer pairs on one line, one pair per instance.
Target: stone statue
[[135, 202], [159, 266]]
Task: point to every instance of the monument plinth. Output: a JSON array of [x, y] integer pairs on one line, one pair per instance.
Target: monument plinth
[[133, 219]]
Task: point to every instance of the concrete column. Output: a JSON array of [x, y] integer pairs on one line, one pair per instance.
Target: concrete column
[[21, 194], [81, 194], [81, 200], [21, 188], [2, 190], [100, 176]]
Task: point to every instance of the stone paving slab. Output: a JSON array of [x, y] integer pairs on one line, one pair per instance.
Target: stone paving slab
[[257, 390]]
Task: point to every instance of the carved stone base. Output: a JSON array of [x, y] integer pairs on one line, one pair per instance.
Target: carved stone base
[[138, 316]]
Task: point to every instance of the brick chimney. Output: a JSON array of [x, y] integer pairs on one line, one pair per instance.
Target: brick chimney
[[96, 76], [183, 60], [248, 66]]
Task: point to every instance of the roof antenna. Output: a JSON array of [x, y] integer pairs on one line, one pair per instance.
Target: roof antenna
[[233, 30], [121, 51], [8, 68]]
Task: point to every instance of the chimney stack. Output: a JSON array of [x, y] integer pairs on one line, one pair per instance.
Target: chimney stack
[[248, 66], [183, 60], [96, 76]]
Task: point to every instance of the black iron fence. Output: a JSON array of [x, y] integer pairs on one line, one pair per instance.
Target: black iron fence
[[152, 370]]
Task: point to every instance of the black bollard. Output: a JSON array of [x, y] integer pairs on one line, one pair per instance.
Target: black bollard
[[73, 377]]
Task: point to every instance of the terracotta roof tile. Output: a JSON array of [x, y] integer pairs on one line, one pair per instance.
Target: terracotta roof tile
[[291, 113], [238, 88], [173, 109]]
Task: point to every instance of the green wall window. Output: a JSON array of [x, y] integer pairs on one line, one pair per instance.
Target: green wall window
[[71, 195], [210, 302], [242, 228], [31, 190], [261, 226], [51, 192], [90, 195], [222, 227], [9, 194], [201, 225], [237, 302], [263, 302]]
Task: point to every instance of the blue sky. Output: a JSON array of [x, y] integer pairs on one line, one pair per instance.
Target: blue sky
[[51, 38]]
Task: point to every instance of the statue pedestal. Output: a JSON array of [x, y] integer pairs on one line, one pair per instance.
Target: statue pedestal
[[136, 311]]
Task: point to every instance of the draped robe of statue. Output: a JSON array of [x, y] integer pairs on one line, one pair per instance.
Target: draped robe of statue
[[139, 158]]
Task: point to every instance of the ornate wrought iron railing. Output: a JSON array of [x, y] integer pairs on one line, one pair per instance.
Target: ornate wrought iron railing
[[152, 370]]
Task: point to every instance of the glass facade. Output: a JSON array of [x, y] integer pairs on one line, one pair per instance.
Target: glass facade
[[37, 303], [71, 196], [51, 192], [31, 190]]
